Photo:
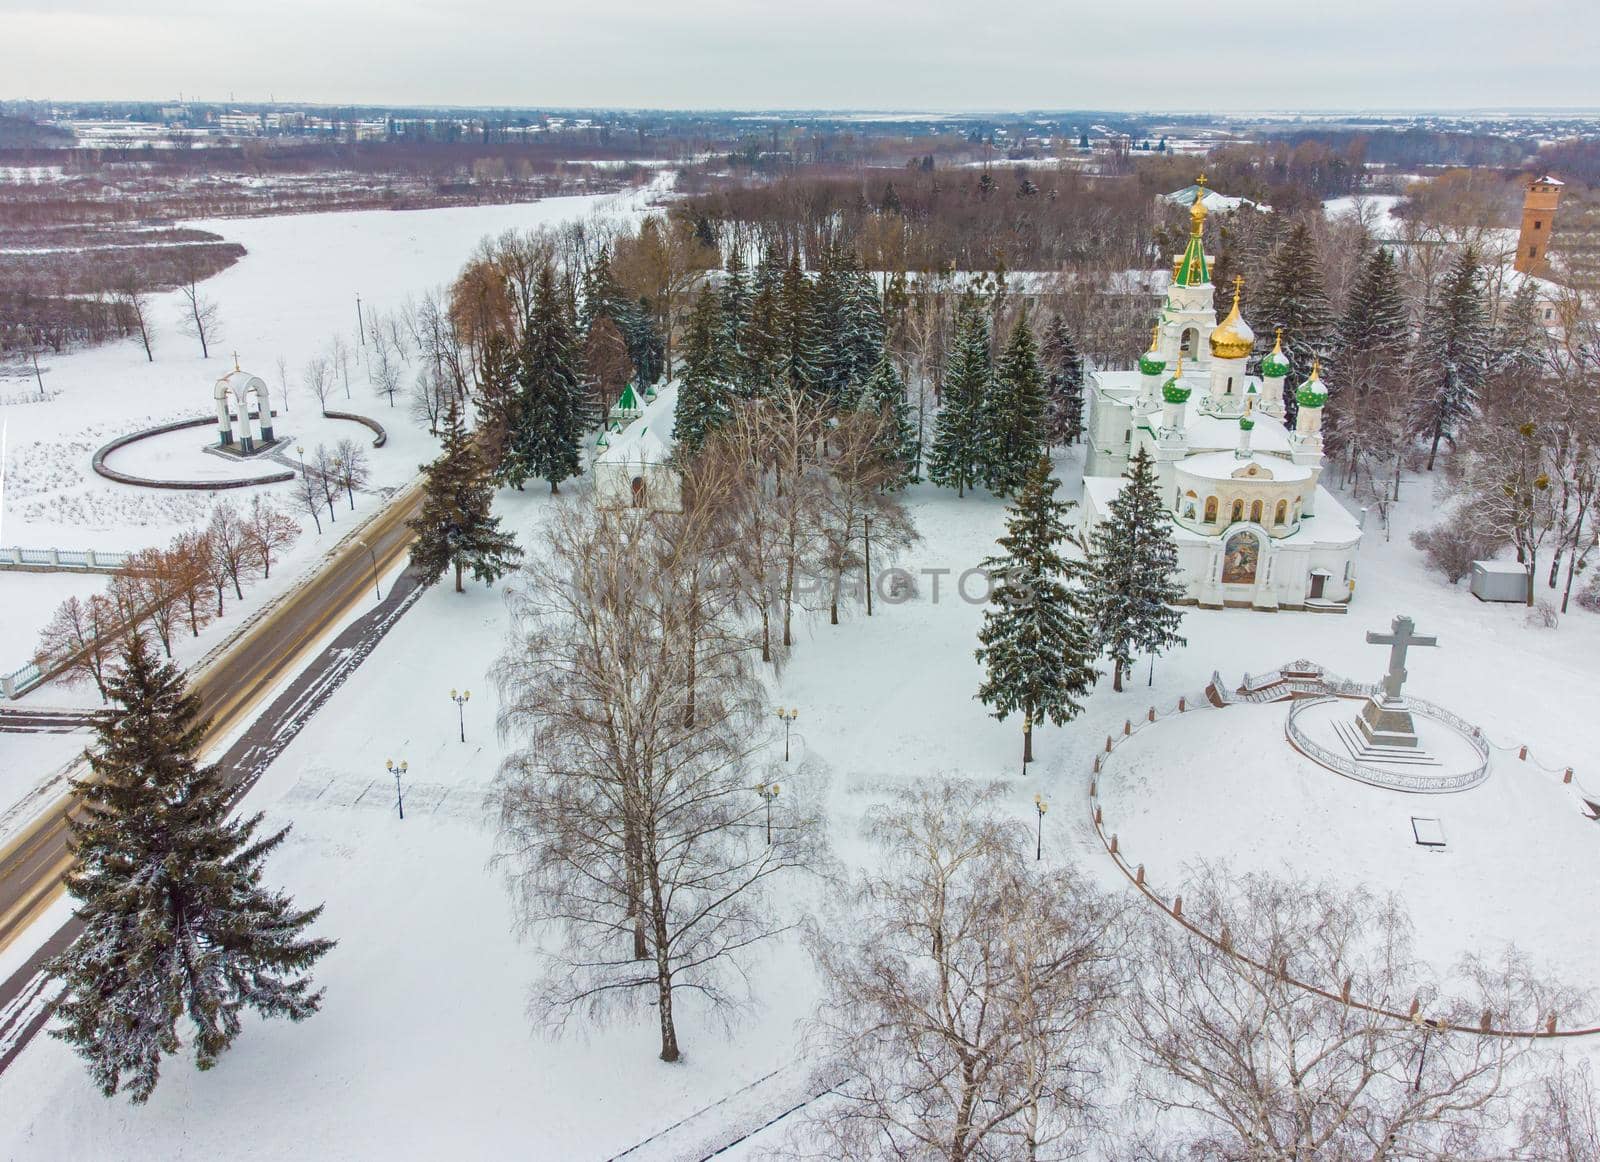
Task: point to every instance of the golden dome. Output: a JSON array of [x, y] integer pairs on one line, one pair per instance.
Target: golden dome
[[1233, 338]]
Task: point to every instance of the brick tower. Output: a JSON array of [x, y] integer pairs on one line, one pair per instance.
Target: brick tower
[[1538, 215]]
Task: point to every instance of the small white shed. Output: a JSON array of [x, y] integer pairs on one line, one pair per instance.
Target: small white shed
[[1499, 581]]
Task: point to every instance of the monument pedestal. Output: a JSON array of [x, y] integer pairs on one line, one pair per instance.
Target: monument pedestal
[[1386, 722]]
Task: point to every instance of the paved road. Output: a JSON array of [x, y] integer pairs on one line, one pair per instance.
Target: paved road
[[32, 865]]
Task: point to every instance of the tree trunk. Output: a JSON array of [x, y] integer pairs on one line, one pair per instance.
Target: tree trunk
[[1116, 677], [459, 564], [669, 1032], [1027, 741], [1433, 450]]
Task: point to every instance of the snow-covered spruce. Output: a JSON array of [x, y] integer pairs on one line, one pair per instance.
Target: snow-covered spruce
[[456, 529], [1038, 639], [178, 928], [1134, 566]]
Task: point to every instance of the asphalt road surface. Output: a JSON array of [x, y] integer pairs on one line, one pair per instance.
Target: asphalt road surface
[[33, 863]]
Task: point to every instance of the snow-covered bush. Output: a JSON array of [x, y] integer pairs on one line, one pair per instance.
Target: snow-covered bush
[[1452, 545], [1543, 615], [1589, 595]]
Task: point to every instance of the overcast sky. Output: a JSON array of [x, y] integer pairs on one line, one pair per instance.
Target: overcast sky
[[880, 54]]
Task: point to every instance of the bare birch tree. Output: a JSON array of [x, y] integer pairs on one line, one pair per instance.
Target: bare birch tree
[[317, 379], [631, 834], [1243, 1062], [967, 991]]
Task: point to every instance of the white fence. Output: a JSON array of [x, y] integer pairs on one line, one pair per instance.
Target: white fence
[[89, 560], [24, 678]]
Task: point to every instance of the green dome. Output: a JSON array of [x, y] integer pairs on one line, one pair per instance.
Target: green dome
[[1311, 394], [1272, 369], [1246, 423], [1151, 364], [1173, 391]]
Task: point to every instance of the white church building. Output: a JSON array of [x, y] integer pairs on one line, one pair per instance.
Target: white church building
[[1252, 524]]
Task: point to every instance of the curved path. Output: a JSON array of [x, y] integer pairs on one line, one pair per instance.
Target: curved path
[[1174, 908], [103, 469]]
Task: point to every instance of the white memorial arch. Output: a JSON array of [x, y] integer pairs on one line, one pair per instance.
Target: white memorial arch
[[240, 385]]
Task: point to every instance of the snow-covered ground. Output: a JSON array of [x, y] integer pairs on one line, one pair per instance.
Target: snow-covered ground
[[292, 292], [424, 1046]]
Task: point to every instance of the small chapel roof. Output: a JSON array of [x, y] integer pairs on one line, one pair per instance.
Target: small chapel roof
[[648, 439]]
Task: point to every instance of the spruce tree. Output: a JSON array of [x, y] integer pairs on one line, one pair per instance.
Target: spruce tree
[[1451, 359], [1295, 297], [1014, 414], [704, 402], [955, 459], [1063, 370], [551, 418], [734, 317], [1038, 640], [1134, 565], [800, 354], [884, 393], [456, 527], [177, 925], [500, 414], [1372, 348], [1518, 357]]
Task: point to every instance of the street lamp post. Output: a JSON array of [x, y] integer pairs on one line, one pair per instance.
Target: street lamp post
[[301, 448], [397, 769], [461, 715], [788, 717], [376, 592], [1040, 807], [769, 792]]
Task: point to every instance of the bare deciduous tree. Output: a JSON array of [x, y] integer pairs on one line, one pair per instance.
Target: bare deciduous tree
[[325, 470], [429, 394], [133, 297], [350, 467], [283, 381], [1245, 1062], [200, 312], [85, 635], [316, 377], [269, 531], [231, 547], [308, 495], [855, 504], [966, 990], [382, 367], [339, 360], [632, 835]]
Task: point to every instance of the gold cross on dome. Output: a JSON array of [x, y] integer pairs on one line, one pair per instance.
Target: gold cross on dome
[[1201, 181]]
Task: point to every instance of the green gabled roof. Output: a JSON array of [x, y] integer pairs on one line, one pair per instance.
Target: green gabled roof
[[628, 401], [1192, 270], [601, 441], [650, 392]]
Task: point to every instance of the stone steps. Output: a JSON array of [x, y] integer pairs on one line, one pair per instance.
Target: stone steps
[[1363, 751]]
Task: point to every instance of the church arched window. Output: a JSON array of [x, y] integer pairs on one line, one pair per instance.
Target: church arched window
[[1255, 511], [1211, 510], [1238, 511], [1282, 513]]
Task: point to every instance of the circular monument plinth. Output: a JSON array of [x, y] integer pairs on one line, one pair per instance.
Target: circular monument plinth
[[1441, 753]]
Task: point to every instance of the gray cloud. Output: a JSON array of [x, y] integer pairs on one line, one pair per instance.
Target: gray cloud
[[935, 55]]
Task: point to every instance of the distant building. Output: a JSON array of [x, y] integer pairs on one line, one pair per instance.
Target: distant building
[[1538, 219], [1213, 200]]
